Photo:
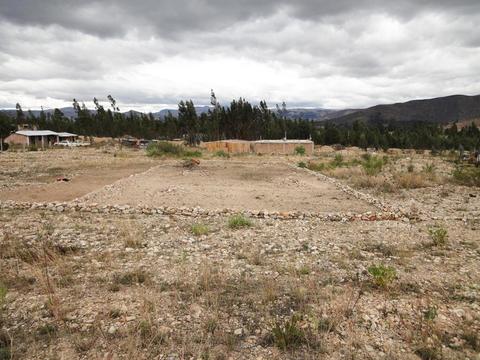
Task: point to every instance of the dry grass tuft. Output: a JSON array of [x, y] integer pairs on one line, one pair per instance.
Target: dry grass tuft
[[412, 180]]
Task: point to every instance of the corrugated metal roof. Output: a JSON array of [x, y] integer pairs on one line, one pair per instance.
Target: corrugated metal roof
[[36, 132], [66, 134]]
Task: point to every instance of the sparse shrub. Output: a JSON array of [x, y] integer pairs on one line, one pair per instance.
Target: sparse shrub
[[468, 176], [5, 344], [47, 330], [239, 221], [411, 180], [316, 166], [430, 313], [3, 294], [199, 229], [115, 313], [439, 236], [302, 165], [472, 339], [382, 275], [211, 324], [428, 353], [221, 153], [410, 168], [337, 160], [372, 165], [303, 270], [132, 277], [366, 156], [192, 153], [386, 187], [300, 150], [164, 148], [288, 335], [325, 325], [134, 243], [429, 168]]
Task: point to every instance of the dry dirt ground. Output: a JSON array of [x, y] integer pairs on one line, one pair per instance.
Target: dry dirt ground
[[98, 286], [251, 183], [32, 176]]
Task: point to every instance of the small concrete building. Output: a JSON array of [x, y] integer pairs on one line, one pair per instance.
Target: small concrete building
[[38, 138]]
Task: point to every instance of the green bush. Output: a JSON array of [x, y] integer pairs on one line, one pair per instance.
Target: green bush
[[429, 168], [300, 150], [164, 148], [288, 335], [372, 165], [316, 166], [468, 176], [430, 313], [239, 221], [302, 165], [199, 229], [439, 236], [337, 161], [192, 154], [3, 294], [382, 275]]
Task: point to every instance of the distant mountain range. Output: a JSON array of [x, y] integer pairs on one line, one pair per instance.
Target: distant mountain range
[[443, 110]]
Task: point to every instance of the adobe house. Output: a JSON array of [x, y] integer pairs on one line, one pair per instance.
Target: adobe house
[[39, 138]]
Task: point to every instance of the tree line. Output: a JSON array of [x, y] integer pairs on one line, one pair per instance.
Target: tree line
[[242, 120]]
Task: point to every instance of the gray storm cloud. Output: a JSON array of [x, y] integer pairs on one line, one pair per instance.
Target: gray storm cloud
[[322, 53]]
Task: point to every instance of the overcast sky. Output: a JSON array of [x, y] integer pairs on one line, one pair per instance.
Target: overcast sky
[[150, 54]]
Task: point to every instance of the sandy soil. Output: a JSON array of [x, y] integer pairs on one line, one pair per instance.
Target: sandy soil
[[248, 184], [32, 176], [66, 191]]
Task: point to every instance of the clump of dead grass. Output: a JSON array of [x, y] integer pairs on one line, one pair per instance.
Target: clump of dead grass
[[411, 180]]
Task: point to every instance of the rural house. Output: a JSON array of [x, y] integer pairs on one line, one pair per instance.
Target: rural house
[[39, 138]]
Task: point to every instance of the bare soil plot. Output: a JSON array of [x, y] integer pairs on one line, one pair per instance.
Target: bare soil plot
[[32, 176], [250, 184]]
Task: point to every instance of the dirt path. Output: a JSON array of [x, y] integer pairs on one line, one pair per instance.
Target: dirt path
[[86, 182]]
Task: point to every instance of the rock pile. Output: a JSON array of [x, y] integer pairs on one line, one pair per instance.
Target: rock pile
[[74, 206]]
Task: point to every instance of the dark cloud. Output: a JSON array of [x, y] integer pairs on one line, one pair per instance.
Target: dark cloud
[[342, 53], [170, 17]]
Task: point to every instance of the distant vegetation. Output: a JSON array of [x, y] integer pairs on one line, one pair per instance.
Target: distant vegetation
[[242, 120]]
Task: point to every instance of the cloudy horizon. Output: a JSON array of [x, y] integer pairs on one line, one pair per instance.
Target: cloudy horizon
[[150, 55]]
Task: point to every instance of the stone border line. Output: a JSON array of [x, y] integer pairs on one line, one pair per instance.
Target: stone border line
[[357, 194], [81, 207]]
